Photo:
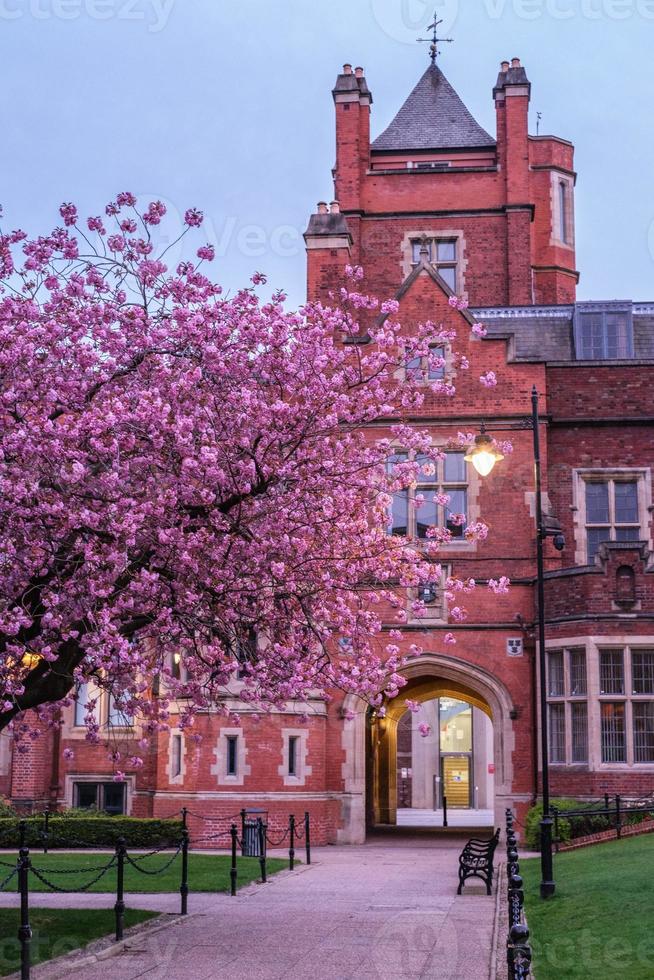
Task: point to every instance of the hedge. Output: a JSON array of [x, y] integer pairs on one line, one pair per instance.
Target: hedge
[[570, 828], [91, 831]]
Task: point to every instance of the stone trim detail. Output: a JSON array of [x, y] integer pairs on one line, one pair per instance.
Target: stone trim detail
[[176, 780], [303, 769], [219, 768]]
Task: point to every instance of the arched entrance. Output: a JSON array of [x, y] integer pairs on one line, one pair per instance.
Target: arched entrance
[[370, 769], [437, 754]]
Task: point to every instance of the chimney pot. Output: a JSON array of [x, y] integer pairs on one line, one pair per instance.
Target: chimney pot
[[322, 207], [515, 63], [358, 72], [505, 66], [335, 207], [347, 69]]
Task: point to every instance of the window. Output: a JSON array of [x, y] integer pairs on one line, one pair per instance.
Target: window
[[612, 512], [611, 672], [430, 368], [84, 695], [176, 665], [603, 332], [643, 715], [556, 685], [579, 725], [176, 756], [232, 755], [109, 797], [614, 748], [293, 742], [642, 670], [566, 681], [442, 253], [578, 683], [564, 234], [447, 476], [557, 732], [117, 717]]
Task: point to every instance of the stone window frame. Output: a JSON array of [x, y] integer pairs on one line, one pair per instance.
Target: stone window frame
[[219, 768], [176, 779], [582, 476], [593, 646], [303, 769], [559, 179], [5, 754], [98, 777], [73, 730], [565, 698], [473, 487], [407, 264]]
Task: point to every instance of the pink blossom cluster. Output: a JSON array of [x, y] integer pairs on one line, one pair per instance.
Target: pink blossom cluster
[[185, 473]]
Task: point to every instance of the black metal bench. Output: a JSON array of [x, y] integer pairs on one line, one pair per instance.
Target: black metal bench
[[476, 861]]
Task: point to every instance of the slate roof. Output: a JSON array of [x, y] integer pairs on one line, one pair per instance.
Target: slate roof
[[433, 118], [547, 333]]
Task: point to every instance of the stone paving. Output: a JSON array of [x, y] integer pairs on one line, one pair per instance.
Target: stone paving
[[387, 909]]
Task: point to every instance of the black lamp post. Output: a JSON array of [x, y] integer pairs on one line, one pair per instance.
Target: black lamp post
[[483, 456]]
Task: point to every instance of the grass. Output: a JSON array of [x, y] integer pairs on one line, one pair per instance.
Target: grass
[[600, 922], [58, 931], [207, 872]]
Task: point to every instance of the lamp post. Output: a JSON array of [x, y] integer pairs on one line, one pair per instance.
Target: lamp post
[[483, 456]]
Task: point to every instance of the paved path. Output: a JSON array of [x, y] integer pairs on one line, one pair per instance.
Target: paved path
[[383, 910]]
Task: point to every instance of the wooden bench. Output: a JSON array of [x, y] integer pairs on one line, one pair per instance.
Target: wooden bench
[[476, 861]]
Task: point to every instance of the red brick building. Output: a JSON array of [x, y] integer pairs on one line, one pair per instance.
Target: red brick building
[[434, 206]]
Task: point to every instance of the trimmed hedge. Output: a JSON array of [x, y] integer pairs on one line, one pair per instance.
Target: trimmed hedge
[[91, 831], [570, 828]]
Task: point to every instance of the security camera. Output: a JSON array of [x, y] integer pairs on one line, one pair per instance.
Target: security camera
[[559, 542]]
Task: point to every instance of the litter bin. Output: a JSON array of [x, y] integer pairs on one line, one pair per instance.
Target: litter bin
[[251, 846]]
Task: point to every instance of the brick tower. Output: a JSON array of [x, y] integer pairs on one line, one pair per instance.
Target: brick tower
[[498, 213]]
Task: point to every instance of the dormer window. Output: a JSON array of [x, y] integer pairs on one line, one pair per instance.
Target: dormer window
[[442, 253], [603, 331]]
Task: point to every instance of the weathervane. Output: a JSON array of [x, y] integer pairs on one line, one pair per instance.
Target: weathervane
[[435, 40]]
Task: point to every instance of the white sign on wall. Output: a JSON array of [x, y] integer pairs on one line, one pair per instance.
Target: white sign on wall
[[514, 647]]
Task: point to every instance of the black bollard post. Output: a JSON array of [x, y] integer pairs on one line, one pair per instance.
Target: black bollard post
[[46, 829], [184, 815], [22, 833], [24, 929], [307, 835], [444, 810], [183, 888], [261, 834], [119, 907], [233, 870], [291, 845], [618, 817], [243, 819], [607, 802]]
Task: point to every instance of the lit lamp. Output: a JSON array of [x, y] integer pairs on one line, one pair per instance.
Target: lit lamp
[[484, 454]]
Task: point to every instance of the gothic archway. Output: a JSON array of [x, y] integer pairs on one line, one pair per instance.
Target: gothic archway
[[369, 768]]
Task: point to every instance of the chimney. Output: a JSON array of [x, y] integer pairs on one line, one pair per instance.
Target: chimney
[[504, 67], [358, 72], [515, 63], [347, 69], [335, 207], [322, 207]]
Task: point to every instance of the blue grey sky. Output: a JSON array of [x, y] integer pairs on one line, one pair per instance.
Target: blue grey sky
[[226, 105]]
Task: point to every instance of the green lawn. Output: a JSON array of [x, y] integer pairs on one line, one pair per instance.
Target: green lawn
[[207, 872], [600, 923], [58, 931]]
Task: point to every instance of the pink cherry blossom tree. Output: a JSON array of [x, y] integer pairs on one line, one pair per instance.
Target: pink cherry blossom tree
[[187, 473]]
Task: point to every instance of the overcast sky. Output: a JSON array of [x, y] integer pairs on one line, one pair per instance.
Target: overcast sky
[[226, 104]]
